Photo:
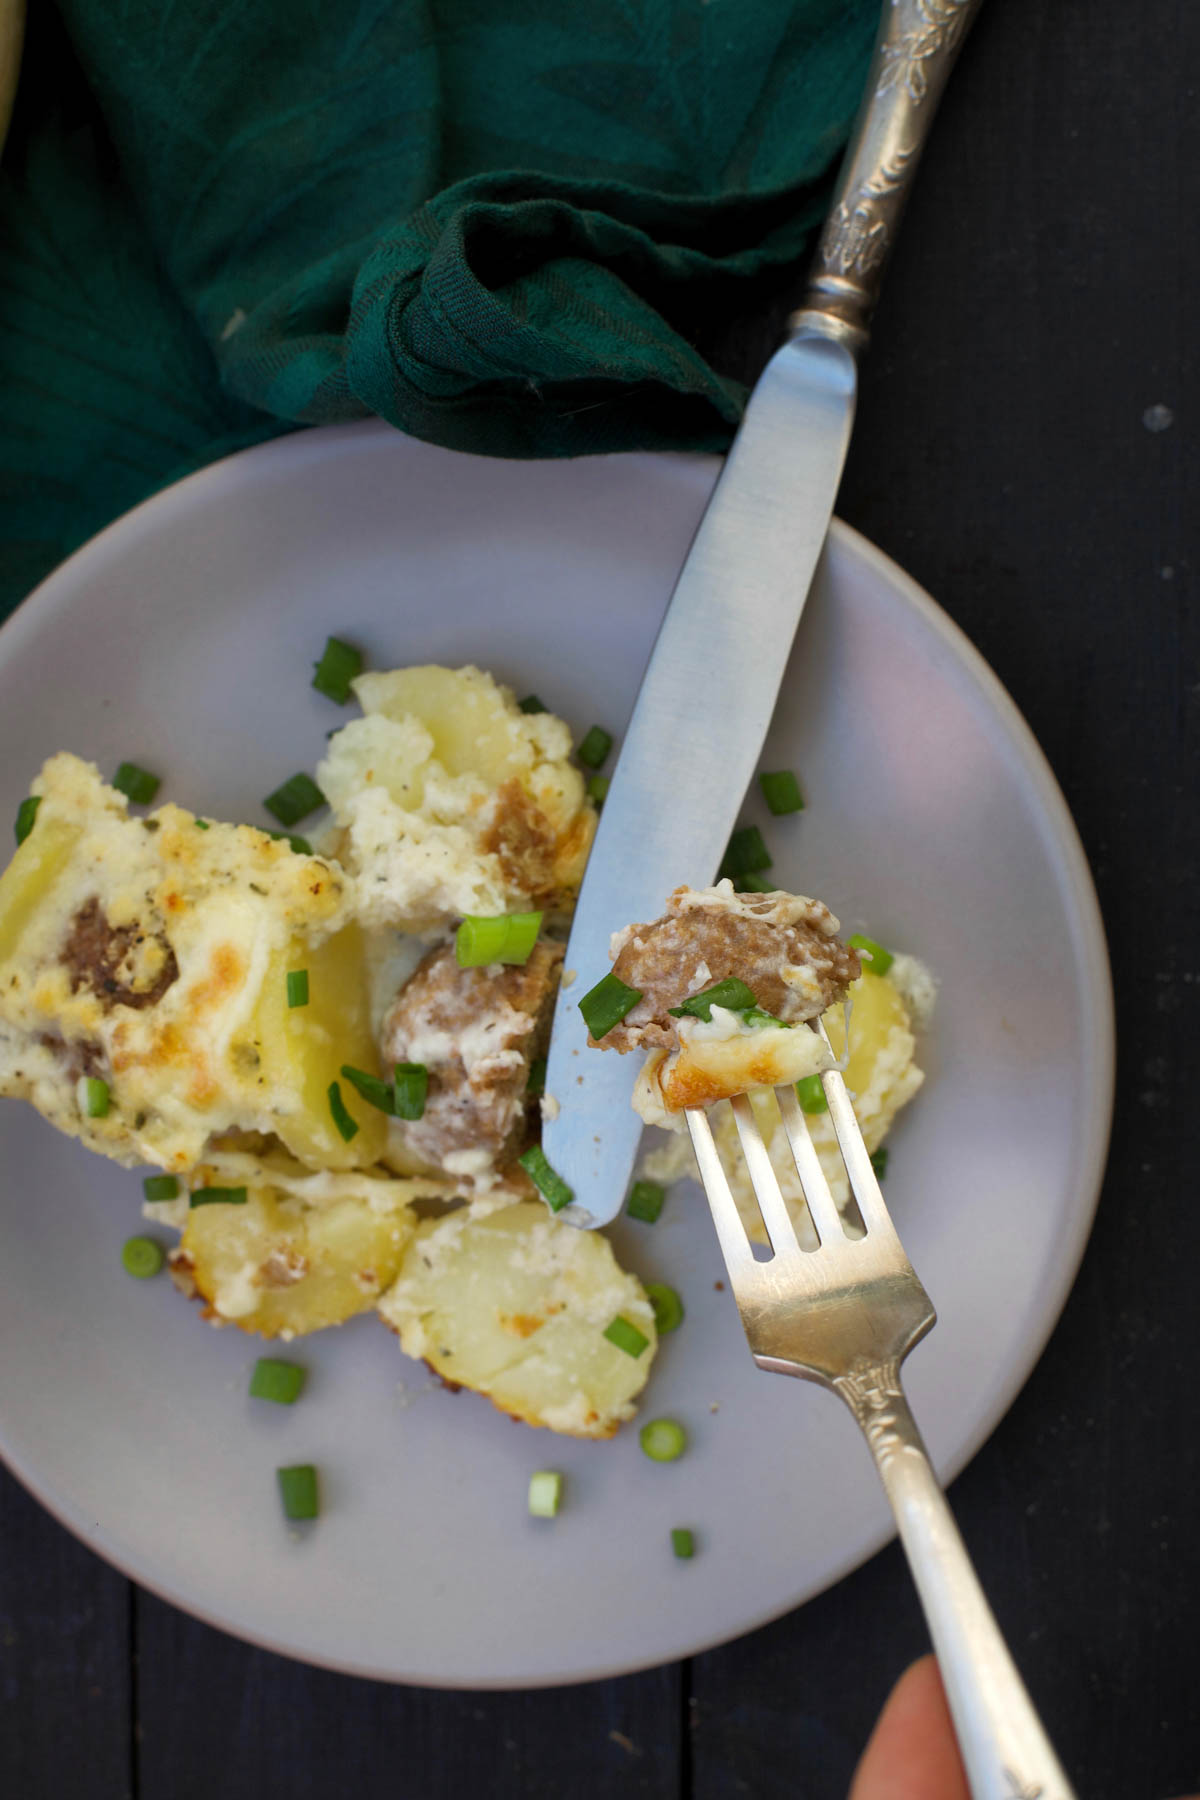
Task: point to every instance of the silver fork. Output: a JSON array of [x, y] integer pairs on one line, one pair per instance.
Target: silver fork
[[846, 1315]]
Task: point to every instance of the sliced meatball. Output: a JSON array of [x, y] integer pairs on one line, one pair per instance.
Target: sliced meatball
[[122, 964], [783, 946], [477, 1031]]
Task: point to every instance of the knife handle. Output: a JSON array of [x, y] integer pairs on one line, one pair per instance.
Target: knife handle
[[915, 50]]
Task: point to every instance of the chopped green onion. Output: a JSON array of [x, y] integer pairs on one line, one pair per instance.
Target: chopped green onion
[[781, 792], [668, 1307], [531, 704], [753, 884], [731, 993], [879, 1161], [506, 938], [294, 799], [340, 663], [879, 959], [298, 1491], [376, 1092], [626, 1337], [606, 1004], [597, 789], [95, 1097], [754, 1015], [535, 1087], [26, 814], [346, 1124], [746, 853], [645, 1201], [682, 1542], [594, 747], [811, 1095], [297, 987], [142, 1257], [410, 1085], [139, 785], [274, 1379], [202, 824], [217, 1196], [545, 1493], [549, 1183], [300, 845], [663, 1440], [160, 1187]]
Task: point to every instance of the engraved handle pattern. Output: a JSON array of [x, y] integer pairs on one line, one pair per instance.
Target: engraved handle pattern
[[1005, 1749], [914, 53]]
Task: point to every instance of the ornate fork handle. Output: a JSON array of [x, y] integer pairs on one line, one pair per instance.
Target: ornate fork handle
[[1006, 1752], [914, 53]]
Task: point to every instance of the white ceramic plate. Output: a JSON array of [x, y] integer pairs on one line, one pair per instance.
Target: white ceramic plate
[[183, 638]]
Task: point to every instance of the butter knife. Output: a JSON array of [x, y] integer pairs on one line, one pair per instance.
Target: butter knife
[[713, 678]]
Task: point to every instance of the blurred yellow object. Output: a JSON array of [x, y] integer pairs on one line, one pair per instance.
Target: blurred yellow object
[[12, 32]]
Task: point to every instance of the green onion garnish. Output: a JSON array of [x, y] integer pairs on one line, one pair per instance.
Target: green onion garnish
[[626, 1337], [535, 1087], [731, 993], [340, 663], [297, 987], [217, 1196], [594, 747], [668, 1307], [879, 959], [96, 1097], [879, 1161], [294, 799], [645, 1201], [274, 1379], [26, 814], [531, 704], [682, 1542], [376, 1092], [409, 1088], [811, 1095], [597, 789], [755, 1016], [781, 792], [298, 1491], [505, 938], [142, 1257], [746, 854], [606, 1004], [139, 785], [547, 1180], [300, 845], [663, 1440], [545, 1493], [160, 1187], [202, 824], [347, 1126]]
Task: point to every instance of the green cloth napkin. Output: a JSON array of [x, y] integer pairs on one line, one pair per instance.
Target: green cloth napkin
[[506, 226]]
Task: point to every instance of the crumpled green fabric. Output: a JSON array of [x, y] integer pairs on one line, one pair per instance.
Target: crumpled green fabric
[[506, 226]]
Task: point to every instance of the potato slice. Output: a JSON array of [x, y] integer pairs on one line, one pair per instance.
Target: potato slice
[[514, 1304], [281, 1267]]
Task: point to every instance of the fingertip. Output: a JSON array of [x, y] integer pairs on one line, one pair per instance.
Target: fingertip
[[912, 1753]]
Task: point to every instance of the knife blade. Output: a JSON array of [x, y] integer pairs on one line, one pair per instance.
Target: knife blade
[[697, 730], [714, 674]]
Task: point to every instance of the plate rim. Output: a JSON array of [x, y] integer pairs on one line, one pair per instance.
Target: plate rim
[[1097, 1072]]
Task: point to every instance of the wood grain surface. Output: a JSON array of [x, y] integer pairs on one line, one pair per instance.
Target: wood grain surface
[[1042, 303]]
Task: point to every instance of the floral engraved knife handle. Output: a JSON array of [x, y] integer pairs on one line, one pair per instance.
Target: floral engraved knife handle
[[914, 53]]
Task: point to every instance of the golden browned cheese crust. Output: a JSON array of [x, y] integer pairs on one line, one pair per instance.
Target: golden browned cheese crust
[[743, 935], [477, 1031]]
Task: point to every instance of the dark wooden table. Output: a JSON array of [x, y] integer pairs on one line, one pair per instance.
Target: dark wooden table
[[1026, 448]]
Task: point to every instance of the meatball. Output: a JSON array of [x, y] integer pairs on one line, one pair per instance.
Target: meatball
[[122, 965], [783, 946], [477, 1032]]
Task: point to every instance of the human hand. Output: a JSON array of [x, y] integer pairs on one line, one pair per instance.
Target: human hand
[[912, 1754]]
